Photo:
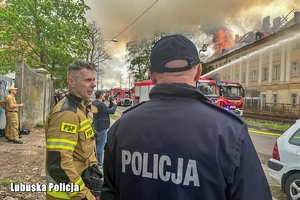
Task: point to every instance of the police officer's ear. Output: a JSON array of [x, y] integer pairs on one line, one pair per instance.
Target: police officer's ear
[[198, 73], [153, 77], [70, 81]]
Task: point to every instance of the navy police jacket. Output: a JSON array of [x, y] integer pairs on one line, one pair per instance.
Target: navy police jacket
[[180, 146]]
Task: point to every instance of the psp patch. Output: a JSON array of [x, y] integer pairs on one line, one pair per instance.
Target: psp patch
[[68, 128], [89, 133]]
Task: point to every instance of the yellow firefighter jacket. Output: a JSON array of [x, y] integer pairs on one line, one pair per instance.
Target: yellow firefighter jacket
[[70, 149], [10, 99]]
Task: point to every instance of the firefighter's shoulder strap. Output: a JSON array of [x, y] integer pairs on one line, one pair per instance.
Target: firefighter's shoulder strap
[[3, 103]]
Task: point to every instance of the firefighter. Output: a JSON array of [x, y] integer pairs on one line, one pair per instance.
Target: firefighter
[[178, 145], [71, 164], [12, 120]]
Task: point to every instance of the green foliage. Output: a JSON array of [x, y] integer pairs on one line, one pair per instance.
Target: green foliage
[[7, 183], [206, 68], [39, 125], [276, 192], [139, 50], [271, 125], [114, 116], [138, 57], [49, 34]]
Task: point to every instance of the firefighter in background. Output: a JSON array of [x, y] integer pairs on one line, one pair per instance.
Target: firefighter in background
[[12, 121], [70, 150]]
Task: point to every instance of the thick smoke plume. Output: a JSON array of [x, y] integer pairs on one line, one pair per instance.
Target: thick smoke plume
[[204, 18]]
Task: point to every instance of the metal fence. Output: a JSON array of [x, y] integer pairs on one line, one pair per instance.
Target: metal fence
[[256, 104]]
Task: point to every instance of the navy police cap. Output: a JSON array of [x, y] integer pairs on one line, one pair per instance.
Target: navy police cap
[[173, 47]]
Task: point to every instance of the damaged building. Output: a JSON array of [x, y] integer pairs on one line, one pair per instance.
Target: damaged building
[[265, 62]]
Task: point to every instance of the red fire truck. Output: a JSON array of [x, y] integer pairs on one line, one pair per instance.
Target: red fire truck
[[123, 97], [142, 90], [229, 95]]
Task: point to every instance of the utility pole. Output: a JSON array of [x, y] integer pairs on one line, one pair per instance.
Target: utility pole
[[129, 75], [121, 80], [98, 70], [130, 80], [101, 86]]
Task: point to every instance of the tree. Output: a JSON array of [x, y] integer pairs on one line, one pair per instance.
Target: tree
[[139, 50], [206, 68], [97, 54], [138, 55], [48, 34], [215, 76]]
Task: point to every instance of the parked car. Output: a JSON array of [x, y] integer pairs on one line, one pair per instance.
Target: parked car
[[284, 166]]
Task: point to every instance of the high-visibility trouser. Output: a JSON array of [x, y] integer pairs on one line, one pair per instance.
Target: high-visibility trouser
[[62, 195]]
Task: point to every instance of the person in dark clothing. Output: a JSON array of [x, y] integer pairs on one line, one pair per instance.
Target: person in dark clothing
[[58, 96], [178, 145], [101, 122]]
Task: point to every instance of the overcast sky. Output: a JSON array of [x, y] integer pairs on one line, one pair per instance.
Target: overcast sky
[[201, 16]]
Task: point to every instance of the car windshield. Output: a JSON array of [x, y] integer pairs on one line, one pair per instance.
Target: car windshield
[[208, 89], [232, 91], [127, 94]]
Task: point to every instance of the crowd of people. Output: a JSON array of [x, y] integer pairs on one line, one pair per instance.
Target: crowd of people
[[177, 145], [60, 94]]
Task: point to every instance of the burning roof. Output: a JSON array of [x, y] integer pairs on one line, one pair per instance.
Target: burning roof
[[224, 42]]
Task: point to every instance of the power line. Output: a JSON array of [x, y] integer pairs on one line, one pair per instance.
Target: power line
[[137, 19]]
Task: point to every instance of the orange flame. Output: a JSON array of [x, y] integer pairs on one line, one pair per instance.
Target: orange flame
[[223, 40]]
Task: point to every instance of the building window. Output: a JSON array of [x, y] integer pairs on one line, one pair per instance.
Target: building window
[[277, 51], [237, 77], [294, 100], [275, 100], [228, 78], [296, 45], [276, 72], [295, 69], [244, 77], [265, 73], [253, 76], [263, 99]]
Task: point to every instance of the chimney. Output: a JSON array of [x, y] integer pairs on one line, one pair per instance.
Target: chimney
[[237, 37], [266, 23], [297, 17], [276, 22]]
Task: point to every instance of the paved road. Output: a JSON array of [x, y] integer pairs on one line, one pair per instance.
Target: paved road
[[264, 141]]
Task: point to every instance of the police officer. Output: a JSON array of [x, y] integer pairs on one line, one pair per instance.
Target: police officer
[[12, 119], [70, 137], [178, 145]]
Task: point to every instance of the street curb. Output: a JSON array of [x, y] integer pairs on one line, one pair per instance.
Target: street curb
[[266, 129]]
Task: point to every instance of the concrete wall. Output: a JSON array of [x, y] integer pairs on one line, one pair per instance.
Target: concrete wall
[[36, 91]]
